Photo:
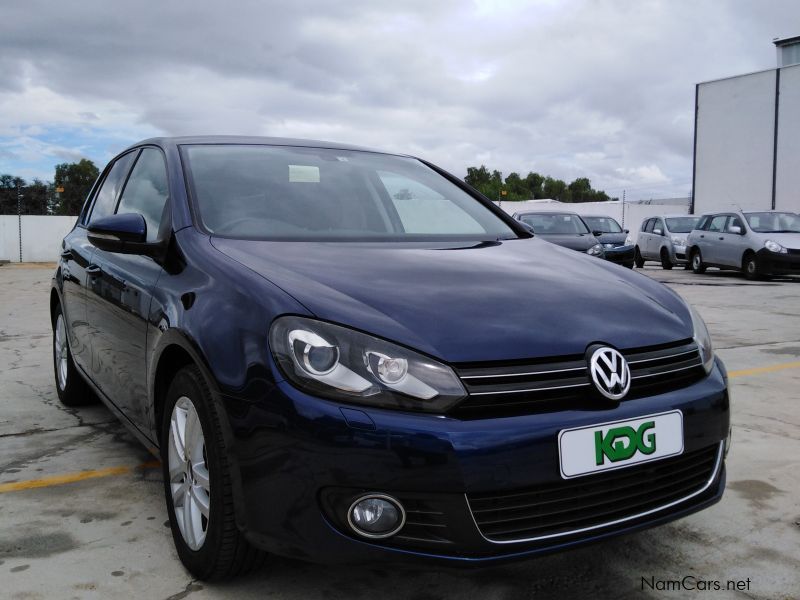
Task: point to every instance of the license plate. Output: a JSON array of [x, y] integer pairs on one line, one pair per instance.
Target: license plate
[[619, 444]]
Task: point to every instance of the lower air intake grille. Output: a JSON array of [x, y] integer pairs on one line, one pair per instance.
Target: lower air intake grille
[[594, 501]]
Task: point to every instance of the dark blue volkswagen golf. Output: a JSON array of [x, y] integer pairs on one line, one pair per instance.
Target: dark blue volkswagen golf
[[347, 355]]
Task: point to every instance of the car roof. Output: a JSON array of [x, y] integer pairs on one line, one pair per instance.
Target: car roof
[[254, 140]]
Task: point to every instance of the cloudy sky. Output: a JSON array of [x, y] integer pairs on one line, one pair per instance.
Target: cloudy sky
[[602, 89]]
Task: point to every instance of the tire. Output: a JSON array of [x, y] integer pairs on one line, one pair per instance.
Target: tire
[[697, 263], [637, 258], [212, 547], [666, 263], [71, 388], [751, 269]]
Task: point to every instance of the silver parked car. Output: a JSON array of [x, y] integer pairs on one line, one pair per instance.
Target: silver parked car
[[759, 243], [663, 239]]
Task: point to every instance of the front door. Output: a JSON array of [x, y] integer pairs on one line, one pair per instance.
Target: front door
[[119, 295]]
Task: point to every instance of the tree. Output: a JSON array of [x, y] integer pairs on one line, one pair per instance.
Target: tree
[[76, 179], [532, 187], [556, 189], [488, 184]]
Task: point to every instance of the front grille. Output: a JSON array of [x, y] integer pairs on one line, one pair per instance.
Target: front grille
[[605, 499], [793, 251], [522, 387]]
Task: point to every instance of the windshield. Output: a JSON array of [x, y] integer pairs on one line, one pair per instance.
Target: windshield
[[682, 224], [773, 222], [554, 223], [316, 194], [604, 224]]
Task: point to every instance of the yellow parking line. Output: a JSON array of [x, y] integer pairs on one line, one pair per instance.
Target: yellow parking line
[[71, 477], [770, 369]]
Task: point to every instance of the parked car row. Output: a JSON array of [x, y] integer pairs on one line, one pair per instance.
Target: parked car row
[[598, 236], [758, 243]]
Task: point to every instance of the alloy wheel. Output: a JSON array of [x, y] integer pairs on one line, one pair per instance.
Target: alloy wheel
[[61, 352], [188, 473]]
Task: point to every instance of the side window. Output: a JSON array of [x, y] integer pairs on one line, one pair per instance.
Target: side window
[[147, 190], [658, 224], [718, 223], [106, 197], [648, 227], [423, 210], [736, 222]]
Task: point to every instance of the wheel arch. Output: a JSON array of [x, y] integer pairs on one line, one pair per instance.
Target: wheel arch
[[174, 352]]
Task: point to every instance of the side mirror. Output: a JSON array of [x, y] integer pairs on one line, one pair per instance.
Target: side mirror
[[626, 230], [527, 226], [658, 231], [735, 229], [124, 234], [597, 233]]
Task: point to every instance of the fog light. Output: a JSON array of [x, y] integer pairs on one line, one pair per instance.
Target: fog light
[[376, 516]]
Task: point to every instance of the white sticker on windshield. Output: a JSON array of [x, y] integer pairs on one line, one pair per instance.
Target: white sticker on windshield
[[303, 174]]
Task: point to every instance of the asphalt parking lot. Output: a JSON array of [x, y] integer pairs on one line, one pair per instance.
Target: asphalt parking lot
[[82, 513]]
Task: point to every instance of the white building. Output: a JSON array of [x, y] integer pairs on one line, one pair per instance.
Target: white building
[[747, 138]]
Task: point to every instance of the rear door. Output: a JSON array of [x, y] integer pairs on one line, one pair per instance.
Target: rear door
[[644, 238], [119, 295]]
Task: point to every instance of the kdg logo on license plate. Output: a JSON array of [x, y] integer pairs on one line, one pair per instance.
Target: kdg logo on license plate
[[619, 444]]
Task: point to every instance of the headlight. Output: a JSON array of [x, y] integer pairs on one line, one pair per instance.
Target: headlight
[[596, 250], [629, 241], [342, 364], [774, 247], [703, 340], [676, 241]]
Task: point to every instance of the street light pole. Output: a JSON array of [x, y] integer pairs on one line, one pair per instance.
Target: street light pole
[[19, 218]]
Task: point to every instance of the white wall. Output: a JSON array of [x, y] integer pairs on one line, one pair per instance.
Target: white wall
[[787, 176], [41, 237], [735, 126], [630, 215]]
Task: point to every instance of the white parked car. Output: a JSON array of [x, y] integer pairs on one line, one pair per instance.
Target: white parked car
[[663, 238]]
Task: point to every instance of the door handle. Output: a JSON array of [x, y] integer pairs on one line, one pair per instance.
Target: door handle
[[722, 238], [66, 254], [93, 270]]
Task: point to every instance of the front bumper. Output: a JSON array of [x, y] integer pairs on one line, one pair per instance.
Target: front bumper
[[300, 457], [621, 255], [775, 263], [678, 255]]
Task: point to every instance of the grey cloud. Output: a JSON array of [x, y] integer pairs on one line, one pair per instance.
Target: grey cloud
[[603, 89]]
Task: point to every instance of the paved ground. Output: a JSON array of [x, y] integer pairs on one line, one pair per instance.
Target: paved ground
[[106, 535]]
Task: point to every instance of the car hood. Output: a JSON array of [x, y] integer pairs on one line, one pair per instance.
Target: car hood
[[479, 301], [613, 238], [576, 241]]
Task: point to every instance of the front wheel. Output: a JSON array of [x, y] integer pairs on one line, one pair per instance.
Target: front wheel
[[666, 263], [197, 483], [697, 263], [752, 269], [637, 258]]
